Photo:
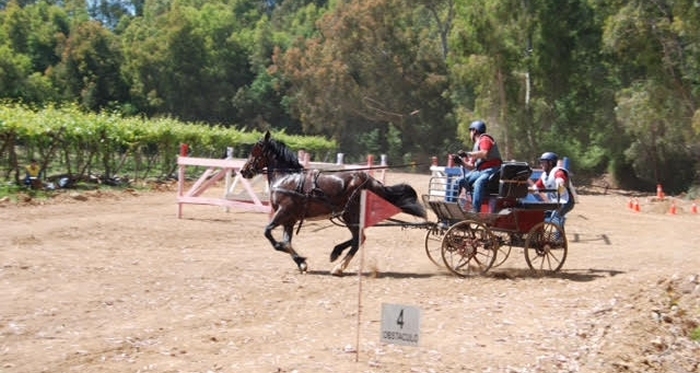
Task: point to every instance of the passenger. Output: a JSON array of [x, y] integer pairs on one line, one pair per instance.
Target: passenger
[[556, 185], [483, 161]]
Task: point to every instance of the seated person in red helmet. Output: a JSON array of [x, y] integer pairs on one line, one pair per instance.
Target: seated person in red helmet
[[483, 161]]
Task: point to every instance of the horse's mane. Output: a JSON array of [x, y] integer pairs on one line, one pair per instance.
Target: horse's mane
[[285, 156]]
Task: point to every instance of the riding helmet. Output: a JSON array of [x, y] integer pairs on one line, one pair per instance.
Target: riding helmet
[[549, 156], [478, 125]]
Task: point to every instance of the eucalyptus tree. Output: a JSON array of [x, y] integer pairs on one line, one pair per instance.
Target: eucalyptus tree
[[532, 69], [376, 65], [189, 61], [656, 50], [263, 102], [30, 37], [488, 68], [572, 92], [111, 12], [89, 71]]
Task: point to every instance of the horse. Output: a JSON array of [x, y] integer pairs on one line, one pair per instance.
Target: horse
[[297, 195]]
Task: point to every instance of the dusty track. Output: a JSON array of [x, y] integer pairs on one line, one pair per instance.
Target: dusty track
[[117, 284]]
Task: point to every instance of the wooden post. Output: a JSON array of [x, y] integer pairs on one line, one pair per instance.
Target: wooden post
[[184, 150]]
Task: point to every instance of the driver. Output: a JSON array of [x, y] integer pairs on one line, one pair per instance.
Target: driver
[[483, 161]]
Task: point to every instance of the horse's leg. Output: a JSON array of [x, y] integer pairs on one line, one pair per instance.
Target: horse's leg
[[340, 267], [286, 244], [287, 239], [338, 249]]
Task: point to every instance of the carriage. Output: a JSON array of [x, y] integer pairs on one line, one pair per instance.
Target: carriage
[[469, 243]]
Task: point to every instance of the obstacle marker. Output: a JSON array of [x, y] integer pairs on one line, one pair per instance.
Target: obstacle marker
[[660, 192], [636, 205], [217, 170], [694, 208], [630, 204], [246, 197], [672, 210]]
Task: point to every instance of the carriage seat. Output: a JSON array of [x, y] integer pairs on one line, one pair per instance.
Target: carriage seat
[[509, 181], [513, 181]]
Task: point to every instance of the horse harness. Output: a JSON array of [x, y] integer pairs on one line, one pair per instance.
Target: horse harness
[[317, 193]]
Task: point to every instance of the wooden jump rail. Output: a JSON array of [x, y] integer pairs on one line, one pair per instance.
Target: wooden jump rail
[[223, 169]]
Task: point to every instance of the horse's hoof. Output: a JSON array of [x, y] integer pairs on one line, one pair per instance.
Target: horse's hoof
[[337, 271], [301, 263]]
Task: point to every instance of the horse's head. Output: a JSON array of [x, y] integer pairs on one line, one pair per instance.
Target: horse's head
[[258, 158], [273, 155]]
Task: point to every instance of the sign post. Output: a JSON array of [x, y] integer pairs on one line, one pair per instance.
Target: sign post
[[400, 324], [374, 209]]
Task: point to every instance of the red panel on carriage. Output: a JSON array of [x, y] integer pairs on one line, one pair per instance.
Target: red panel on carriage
[[510, 217], [526, 219], [494, 204]]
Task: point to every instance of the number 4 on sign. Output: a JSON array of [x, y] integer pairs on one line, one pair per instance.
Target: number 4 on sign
[[400, 324]]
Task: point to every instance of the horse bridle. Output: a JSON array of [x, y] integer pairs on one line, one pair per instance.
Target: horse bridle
[[259, 162]]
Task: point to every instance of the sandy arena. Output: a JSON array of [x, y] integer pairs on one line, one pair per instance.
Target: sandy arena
[[116, 283]]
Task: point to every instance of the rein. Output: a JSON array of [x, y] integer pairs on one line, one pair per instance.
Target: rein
[[289, 170]]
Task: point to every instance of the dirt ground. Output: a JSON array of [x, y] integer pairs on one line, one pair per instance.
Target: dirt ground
[[114, 282]]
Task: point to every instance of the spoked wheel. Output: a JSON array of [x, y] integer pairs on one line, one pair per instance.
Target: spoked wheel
[[504, 247], [469, 248], [546, 247], [433, 243]]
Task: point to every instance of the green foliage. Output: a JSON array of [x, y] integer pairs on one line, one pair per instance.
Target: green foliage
[[67, 139], [646, 111], [611, 84], [89, 69], [13, 68], [367, 71]]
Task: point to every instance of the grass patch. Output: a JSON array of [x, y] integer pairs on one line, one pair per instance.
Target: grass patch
[[14, 192], [17, 193], [695, 334]]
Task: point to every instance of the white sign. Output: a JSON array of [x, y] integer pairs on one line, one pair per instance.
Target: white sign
[[400, 324]]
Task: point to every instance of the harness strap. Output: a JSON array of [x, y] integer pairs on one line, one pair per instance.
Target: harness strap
[[315, 192]]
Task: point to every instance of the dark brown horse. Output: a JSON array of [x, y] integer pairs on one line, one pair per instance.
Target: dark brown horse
[[297, 195]]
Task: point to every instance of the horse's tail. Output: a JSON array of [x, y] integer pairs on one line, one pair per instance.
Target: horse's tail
[[402, 196]]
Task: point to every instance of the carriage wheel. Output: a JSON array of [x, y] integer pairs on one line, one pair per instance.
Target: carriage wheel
[[504, 247], [469, 248], [433, 243], [546, 247]]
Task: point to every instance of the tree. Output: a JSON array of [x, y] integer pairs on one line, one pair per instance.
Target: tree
[[192, 67], [376, 64], [488, 68], [29, 39], [657, 64], [90, 67]]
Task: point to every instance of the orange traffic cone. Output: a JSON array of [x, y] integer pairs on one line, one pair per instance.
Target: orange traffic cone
[[660, 192], [630, 205], [672, 211], [694, 208], [636, 205]]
